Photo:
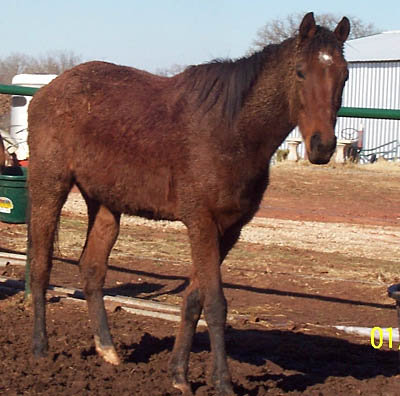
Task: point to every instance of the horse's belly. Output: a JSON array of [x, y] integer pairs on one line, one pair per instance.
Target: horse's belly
[[132, 191]]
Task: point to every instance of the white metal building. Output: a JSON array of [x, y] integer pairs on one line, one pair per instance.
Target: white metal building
[[374, 82]]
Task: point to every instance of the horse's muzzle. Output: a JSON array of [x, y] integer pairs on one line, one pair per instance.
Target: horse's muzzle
[[320, 153]]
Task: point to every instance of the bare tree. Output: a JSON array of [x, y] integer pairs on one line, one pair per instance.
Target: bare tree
[[12, 65], [278, 30], [53, 63], [170, 71]]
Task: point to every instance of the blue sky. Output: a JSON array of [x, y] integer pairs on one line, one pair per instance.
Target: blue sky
[[151, 34]]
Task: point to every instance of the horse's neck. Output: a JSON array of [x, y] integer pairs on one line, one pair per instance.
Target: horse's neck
[[266, 117]]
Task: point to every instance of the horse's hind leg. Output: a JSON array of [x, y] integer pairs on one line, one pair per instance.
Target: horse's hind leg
[[190, 314], [102, 233], [45, 207]]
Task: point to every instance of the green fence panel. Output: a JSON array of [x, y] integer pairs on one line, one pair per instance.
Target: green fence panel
[[359, 112], [17, 90]]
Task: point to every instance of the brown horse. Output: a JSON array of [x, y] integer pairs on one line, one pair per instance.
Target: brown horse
[[195, 147]]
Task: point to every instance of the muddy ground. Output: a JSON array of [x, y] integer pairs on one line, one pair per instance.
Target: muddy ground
[[321, 253]]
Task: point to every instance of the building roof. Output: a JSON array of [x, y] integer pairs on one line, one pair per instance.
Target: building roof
[[378, 47]]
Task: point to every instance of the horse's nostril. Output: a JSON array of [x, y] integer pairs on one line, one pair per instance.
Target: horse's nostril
[[333, 143], [315, 142], [317, 145]]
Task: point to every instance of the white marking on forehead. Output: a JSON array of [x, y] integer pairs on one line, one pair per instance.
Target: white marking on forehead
[[325, 58]]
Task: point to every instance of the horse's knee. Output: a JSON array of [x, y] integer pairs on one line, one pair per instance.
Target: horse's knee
[[93, 278], [39, 277], [193, 306], [215, 311]]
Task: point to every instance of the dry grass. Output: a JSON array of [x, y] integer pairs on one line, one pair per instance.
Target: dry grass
[[171, 246], [370, 187]]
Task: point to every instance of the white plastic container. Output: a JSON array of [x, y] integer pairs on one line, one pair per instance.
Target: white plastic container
[[19, 110]]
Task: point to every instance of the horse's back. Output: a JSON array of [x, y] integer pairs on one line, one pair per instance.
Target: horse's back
[[97, 91], [106, 107], [111, 127]]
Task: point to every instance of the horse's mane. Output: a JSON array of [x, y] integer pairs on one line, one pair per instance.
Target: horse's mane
[[226, 80], [229, 81]]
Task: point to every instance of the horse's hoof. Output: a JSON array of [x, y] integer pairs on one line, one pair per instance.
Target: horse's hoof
[[40, 351], [226, 391], [108, 353], [179, 377], [40, 354], [224, 388], [183, 386]]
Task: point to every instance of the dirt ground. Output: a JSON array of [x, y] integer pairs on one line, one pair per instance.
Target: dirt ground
[[321, 253]]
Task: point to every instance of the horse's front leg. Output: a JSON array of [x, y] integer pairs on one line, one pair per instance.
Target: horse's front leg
[[204, 241]]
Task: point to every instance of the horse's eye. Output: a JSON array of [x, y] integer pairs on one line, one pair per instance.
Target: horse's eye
[[300, 74]]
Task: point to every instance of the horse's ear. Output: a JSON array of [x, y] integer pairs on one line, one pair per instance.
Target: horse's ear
[[307, 27], [342, 30]]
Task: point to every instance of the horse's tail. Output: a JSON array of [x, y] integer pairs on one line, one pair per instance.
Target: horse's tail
[[55, 250], [2, 154], [56, 242]]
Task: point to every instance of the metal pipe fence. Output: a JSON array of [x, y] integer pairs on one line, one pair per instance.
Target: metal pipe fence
[[356, 112]]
